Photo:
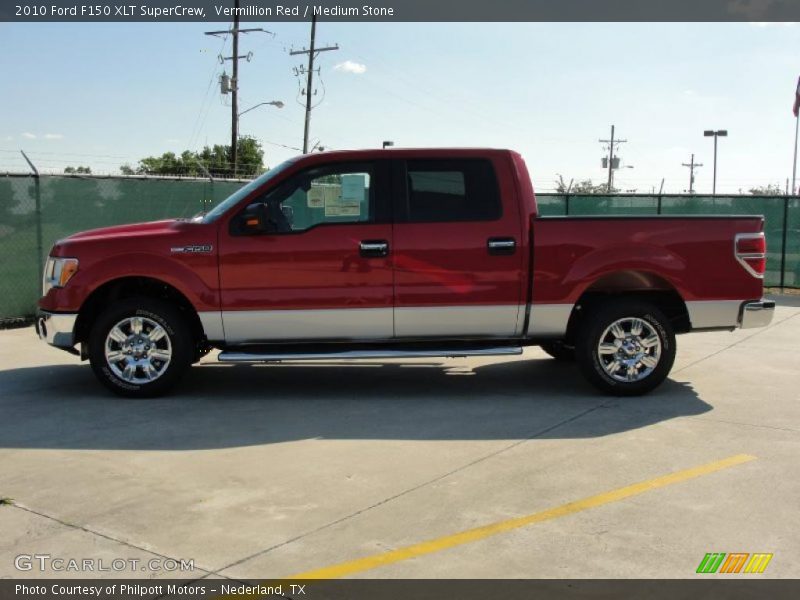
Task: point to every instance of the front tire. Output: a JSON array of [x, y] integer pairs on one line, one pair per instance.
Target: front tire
[[140, 347], [626, 347]]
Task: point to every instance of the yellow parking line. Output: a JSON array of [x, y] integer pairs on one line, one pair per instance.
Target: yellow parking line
[[479, 533]]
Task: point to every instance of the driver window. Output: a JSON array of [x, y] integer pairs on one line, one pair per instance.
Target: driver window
[[330, 194]]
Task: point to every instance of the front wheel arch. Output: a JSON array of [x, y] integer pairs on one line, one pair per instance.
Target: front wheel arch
[[136, 287]]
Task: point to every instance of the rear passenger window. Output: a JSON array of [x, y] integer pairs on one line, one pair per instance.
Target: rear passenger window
[[452, 190]]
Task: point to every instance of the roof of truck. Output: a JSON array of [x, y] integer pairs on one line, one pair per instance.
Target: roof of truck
[[373, 153]]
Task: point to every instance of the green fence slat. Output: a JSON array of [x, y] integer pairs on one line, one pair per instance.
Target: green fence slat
[[70, 204]]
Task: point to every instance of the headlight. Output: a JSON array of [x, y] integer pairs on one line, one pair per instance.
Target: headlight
[[57, 272]]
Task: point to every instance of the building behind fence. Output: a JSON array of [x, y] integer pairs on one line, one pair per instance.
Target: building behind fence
[[37, 211]]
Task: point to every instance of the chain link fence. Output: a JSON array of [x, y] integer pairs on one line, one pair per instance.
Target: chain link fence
[[37, 211]]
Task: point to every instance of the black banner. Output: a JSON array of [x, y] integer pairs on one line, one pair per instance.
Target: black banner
[[404, 10], [710, 587]]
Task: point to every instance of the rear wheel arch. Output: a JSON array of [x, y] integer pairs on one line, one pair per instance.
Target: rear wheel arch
[[644, 286]]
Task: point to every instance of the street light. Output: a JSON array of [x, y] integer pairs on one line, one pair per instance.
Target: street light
[[715, 135], [275, 103]]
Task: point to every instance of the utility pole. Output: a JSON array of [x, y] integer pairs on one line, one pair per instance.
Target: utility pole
[[234, 81], [796, 131], [611, 143], [610, 161], [312, 52], [692, 166], [235, 90], [307, 123]]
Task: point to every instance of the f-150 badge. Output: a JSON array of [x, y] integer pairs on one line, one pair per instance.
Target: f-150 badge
[[193, 249]]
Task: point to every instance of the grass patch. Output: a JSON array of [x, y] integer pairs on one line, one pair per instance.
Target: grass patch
[[6, 502]]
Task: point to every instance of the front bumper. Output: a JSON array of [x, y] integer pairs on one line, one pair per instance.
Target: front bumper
[[57, 329], [756, 314]]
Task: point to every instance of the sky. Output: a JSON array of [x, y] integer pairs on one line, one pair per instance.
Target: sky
[[106, 94]]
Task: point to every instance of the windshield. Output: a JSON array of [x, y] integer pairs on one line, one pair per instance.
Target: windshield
[[243, 191]]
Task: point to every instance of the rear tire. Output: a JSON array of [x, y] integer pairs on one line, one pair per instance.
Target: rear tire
[[559, 350], [140, 347], [625, 347]]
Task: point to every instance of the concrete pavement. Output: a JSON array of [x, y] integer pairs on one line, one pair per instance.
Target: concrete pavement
[[269, 471]]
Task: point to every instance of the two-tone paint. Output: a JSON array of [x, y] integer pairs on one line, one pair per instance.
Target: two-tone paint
[[437, 280]]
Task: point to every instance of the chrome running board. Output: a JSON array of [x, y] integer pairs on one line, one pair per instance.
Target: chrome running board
[[246, 357]]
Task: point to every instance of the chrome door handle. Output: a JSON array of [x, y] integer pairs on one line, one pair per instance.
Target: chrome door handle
[[374, 248], [501, 246]]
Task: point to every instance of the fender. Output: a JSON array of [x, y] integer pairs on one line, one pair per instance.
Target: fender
[[657, 261], [582, 266], [193, 275]]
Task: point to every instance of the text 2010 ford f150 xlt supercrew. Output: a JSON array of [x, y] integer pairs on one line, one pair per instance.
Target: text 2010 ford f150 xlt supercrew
[[398, 253]]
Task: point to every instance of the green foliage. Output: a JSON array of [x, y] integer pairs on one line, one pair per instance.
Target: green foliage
[[773, 189], [334, 178], [216, 160], [72, 170], [584, 186]]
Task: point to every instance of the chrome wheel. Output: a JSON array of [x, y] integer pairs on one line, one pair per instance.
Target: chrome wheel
[[629, 349], [138, 350]]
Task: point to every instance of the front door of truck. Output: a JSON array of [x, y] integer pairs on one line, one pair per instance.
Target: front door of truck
[[457, 249], [321, 270]]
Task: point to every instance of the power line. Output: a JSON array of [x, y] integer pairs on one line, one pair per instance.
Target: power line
[[199, 122]]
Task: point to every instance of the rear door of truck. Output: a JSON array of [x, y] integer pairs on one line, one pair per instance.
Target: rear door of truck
[[458, 259]]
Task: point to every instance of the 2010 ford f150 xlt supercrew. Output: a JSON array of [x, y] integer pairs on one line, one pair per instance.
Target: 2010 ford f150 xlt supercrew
[[398, 253]]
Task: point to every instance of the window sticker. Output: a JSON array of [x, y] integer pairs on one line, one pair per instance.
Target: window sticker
[[316, 197], [347, 199], [353, 187]]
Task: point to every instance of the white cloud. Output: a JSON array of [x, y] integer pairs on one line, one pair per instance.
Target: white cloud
[[9, 138], [350, 66], [28, 136], [53, 136]]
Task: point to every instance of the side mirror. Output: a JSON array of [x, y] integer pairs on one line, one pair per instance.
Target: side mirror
[[254, 219]]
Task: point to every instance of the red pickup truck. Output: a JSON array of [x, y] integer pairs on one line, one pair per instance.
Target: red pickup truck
[[398, 253]]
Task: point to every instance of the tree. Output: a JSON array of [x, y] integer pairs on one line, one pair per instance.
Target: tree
[[215, 159], [563, 187], [81, 170], [772, 189], [584, 186]]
